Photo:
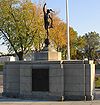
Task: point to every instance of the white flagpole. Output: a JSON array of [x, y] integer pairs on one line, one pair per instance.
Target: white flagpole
[[68, 37]]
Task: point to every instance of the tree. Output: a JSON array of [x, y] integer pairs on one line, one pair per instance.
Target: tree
[[73, 43], [58, 33], [81, 43], [20, 25], [21, 28], [87, 45], [59, 39], [92, 44]]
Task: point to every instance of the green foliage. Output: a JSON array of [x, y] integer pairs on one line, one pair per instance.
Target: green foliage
[[87, 45], [1, 67], [20, 25], [92, 44], [21, 28], [97, 81], [73, 43]]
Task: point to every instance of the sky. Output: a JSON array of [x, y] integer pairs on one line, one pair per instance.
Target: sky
[[84, 15]]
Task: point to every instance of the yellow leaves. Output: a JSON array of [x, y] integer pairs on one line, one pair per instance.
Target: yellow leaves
[[81, 42], [73, 34], [57, 34], [27, 26]]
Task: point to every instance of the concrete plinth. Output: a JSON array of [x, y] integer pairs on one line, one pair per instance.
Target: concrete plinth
[[72, 80], [48, 54]]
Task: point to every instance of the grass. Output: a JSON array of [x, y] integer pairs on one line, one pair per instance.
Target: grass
[[97, 78], [97, 82], [1, 67]]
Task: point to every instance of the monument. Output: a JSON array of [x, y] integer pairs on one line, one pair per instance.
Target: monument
[[48, 52], [48, 77], [47, 24]]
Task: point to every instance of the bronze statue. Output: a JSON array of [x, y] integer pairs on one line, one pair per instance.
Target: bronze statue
[[47, 24]]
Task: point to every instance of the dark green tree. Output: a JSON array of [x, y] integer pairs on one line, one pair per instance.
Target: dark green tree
[[87, 45], [92, 44]]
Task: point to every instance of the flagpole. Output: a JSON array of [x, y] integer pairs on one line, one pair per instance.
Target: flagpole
[[68, 37]]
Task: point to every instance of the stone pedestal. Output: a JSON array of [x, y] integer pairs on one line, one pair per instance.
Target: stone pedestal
[[72, 80], [48, 54]]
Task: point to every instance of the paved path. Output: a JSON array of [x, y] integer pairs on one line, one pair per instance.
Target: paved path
[[14, 101], [52, 103]]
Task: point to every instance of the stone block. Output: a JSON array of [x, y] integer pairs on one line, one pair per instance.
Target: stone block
[[12, 72], [27, 80], [74, 87], [47, 55], [25, 88], [11, 87], [72, 72], [88, 69], [26, 72], [40, 66], [25, 84], [55, 66], [12, 79], [54, 56], [73, 62], [73, 69], [74, 66], [56, 72], [12, 66], [74, 79], [74, 93], [25, 66], [56, 84]]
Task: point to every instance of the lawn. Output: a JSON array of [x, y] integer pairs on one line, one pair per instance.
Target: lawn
[[1, 67], [97, 82]]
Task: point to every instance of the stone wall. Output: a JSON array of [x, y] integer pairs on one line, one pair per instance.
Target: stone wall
[[79, 80], [11, 79], [69, 79]]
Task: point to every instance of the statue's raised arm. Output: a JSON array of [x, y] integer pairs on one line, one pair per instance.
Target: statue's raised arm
[[47, 16], [44, 8]]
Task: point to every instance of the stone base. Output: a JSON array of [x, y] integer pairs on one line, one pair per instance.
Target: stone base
[[48, 54], [68, 80]]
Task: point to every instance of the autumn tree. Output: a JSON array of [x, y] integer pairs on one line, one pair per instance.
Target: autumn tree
[[58, 33], [58, 36], [73, 43], [20, 25], [21, 28], [81, 43]]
